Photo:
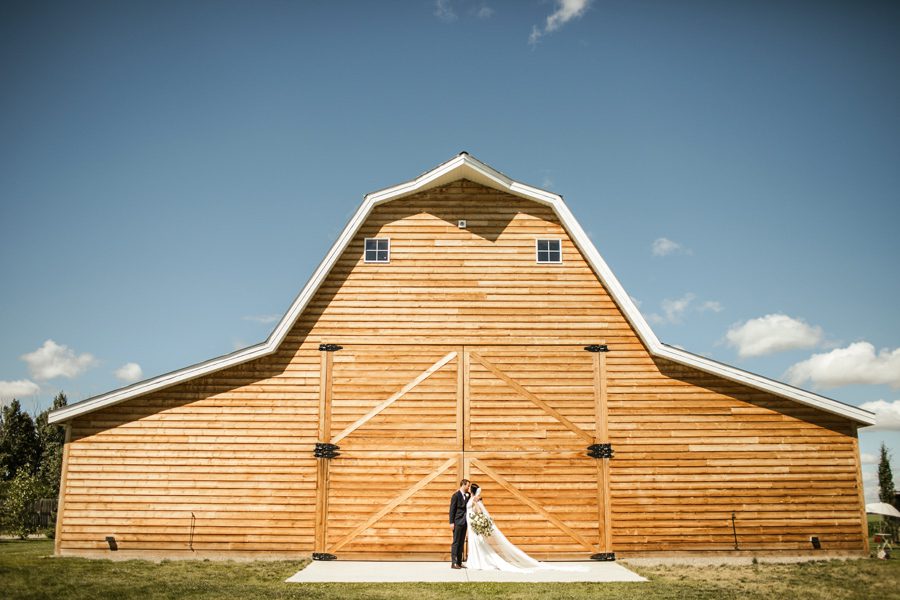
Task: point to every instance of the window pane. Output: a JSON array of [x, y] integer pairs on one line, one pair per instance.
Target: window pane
[[377, 250], [549, 251]]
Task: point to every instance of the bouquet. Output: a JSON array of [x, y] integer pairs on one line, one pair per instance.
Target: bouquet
[[481, 524]]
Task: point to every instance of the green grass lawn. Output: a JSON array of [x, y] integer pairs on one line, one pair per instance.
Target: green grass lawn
[[27, 570]]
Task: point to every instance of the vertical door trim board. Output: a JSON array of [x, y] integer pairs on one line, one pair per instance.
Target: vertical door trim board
[[465, 366], [602, 435], [322, 478], [461, 377]]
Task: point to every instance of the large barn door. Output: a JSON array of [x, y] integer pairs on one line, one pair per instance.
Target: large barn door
[[395, 414], [531, 414], [409, 421]]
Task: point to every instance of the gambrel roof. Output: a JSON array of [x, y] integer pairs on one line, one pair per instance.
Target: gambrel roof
[[464, 166]]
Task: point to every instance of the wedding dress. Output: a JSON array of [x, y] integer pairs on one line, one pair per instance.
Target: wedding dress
[[497, 552]]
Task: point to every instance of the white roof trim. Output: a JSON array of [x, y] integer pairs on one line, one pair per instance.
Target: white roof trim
[[459, 167]]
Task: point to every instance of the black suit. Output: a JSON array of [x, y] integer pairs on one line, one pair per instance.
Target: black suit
[[458, 518]]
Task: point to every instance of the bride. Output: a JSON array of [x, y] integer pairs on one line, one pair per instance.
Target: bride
[[494, 551]]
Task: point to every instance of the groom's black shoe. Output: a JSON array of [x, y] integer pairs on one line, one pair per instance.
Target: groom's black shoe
[[455, 566]]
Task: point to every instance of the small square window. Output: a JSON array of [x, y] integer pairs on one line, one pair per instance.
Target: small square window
[[549, 251], [378, 250]]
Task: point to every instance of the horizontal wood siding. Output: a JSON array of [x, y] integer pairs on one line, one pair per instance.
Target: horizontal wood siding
[[691, 449], [423, 416], [479, 285], [560, 486], [235, 447], [508, 386], [367, 482]]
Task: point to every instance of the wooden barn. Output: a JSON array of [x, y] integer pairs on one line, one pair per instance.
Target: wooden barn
[[462, 324]]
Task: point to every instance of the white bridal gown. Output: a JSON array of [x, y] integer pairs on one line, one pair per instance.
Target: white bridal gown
[[497, 552]]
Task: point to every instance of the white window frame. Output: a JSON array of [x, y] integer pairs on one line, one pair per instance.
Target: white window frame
[[547, 262], [377, 262]]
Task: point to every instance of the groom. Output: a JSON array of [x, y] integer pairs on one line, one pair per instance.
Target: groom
[[458, 523]]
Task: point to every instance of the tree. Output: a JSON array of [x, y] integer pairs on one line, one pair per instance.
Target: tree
[[19, 444], [52, 438], [18, 505], [886, 489]]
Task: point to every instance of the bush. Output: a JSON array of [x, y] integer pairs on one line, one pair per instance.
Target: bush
[[18, 506]]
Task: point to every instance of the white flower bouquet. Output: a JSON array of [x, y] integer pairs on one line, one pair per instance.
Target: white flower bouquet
[[481, 524]]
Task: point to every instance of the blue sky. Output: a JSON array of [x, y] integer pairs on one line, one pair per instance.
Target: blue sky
[[171, 173]]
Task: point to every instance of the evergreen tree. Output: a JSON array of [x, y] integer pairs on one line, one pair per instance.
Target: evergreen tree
[[19, 444], [886, 489], [52, 439]]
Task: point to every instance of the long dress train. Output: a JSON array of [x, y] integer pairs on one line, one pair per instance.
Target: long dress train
[[497, 552]]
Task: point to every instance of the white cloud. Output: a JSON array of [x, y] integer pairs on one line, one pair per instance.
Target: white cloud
[[887, 416], [673, 309], [129, 372], [263, 319], [868, 458], [712, 306], [566, 10], [17, 389], [484, 12], [57, 360], [772, 333], [664, 247], [443, 10], [858, 363]]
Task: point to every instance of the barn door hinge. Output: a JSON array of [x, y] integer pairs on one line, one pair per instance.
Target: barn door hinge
[[597, 348], [323, 556], [329, 347], [324, 450], [600, 451], [604, 556]]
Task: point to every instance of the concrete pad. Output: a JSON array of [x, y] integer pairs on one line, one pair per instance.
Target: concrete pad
[[347, 571]]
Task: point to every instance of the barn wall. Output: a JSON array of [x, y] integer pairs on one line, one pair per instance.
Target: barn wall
[[446, 285], [692, 448], [235, 447]]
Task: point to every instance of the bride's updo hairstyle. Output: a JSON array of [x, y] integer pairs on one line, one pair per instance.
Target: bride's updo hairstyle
[[474, 488]]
